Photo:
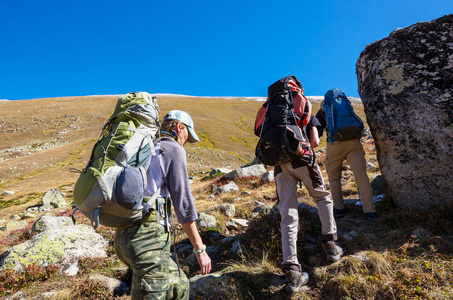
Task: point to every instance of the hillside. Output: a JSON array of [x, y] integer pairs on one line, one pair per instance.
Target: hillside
[[45, 140], [404, 255]]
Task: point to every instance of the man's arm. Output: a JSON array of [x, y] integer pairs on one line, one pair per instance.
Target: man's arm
[[190, 228], [322, 120], [314, 137]]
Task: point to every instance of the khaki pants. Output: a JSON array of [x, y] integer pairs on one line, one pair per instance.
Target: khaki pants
[[352, 151], [145, 249], [286, 182]]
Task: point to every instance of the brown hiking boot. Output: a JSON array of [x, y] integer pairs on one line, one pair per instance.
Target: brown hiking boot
[[295, 280], [332, 250]]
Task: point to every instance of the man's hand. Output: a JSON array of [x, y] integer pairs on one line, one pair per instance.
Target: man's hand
[[203, 258], [204, 261]]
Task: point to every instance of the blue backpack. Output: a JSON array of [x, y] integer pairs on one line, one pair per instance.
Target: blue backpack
[[342, 122]]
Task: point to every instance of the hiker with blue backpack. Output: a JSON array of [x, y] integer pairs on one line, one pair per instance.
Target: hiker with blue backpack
[[288, 133], [344, 130]]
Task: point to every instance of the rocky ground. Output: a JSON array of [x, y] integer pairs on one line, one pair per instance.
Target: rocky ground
[[403, 255]]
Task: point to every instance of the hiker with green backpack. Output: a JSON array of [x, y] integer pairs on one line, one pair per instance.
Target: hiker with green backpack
[[145, 246], [344, 130], [136, 171]]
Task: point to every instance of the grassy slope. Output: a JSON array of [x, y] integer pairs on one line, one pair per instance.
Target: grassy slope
[[384, 262], [69, 126]]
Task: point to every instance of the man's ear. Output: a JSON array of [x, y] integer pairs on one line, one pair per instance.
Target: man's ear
[[178, 127]]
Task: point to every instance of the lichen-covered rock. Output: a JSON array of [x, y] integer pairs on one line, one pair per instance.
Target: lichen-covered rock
[[237, 224], [63, 246], [227, 188], [210, 286], [268, 177], [14, 217], [14, 225], [114, 285], [184, 250], [49, 222], [227, 209], [219, 171], [206, 221], [237, 248], [406, 84], [262, 209], [244, 172], [53, 198]]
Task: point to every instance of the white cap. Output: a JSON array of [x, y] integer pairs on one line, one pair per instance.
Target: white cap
[[185, 118]]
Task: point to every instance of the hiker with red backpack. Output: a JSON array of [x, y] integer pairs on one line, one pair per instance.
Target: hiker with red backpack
[[286, 143], [145, 245], [344, 130]]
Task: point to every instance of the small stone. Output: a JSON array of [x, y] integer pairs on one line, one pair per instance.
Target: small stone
[[353, 234]]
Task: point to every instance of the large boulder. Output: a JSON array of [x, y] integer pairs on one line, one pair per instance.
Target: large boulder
[[406, 84], [63, 245]]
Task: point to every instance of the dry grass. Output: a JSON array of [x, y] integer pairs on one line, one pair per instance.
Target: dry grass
[[67, 127]]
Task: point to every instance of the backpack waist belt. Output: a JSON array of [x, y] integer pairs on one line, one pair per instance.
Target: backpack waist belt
[[151, 216], [156, 206]]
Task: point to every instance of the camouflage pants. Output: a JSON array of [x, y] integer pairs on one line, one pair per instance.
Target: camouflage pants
[[145, 248]]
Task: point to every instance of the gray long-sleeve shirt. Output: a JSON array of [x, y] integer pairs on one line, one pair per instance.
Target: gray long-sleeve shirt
[[174, 168]]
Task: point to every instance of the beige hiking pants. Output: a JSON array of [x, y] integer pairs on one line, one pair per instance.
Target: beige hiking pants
[[352, 151], [286, 182]]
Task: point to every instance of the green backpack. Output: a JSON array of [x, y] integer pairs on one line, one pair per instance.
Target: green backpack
[[110, 188]]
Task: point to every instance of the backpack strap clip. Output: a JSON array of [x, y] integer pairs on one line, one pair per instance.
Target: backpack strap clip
[[94, 218], [72, 216]]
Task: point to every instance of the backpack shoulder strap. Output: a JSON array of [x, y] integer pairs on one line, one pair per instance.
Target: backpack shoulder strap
[[261, 118]]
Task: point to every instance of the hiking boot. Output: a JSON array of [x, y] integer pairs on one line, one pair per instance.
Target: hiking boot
[[332, 250], [370, 216], [338, 213], [295, 280]]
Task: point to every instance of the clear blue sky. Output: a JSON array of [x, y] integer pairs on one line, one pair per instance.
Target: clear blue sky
[[53, 48]]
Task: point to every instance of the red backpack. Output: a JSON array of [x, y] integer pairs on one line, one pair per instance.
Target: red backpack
[[281, 124]]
